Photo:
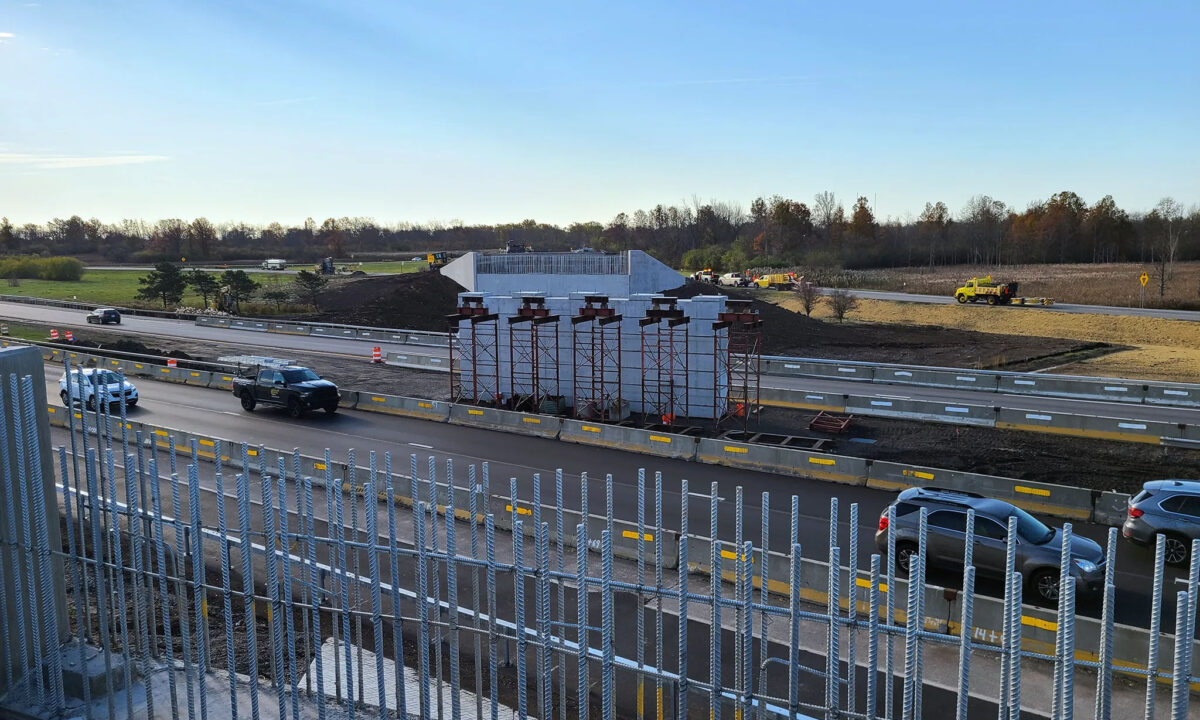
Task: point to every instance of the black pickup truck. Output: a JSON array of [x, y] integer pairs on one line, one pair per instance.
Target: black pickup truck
[[296, 388]]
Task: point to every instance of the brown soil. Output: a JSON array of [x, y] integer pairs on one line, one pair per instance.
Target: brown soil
[[421, 301], [1077, 462], [413, 301], [791, 333]]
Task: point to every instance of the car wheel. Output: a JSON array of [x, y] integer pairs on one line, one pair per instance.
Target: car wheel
[[961, 298], [91, 402], [248, 402], [331, 409], [1045, 584], [66, 401], [1176, 550], [295, 409], [906, 553]]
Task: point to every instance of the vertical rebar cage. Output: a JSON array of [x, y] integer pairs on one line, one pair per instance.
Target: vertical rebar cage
[[596, 358], [210, 576], [737, 347], [665, 352], [534, 358], [475, 369]]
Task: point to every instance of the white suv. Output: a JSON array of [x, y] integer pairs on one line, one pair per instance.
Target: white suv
[[95, 382]]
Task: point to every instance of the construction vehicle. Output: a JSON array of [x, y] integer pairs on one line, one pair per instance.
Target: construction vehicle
[[995, 293], [777, 281], [984, 288], [514, 246], [436, 260]]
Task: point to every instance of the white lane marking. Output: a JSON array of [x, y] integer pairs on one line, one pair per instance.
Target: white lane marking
[[895, 397], [422, 446]]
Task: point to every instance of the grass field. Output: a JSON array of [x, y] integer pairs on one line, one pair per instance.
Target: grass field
[[391, 266], [105, 287]]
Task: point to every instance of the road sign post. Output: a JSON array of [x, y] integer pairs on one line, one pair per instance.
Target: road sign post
[[1143, 279]]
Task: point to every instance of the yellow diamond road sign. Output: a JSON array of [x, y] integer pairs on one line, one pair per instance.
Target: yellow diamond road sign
[[1143, 279]]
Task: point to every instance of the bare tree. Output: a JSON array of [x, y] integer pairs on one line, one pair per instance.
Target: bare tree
[[840, 303], [825, 209], [809, 297]]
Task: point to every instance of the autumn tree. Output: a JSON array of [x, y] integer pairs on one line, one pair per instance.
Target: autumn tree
[[201, 238], [167, 237], [331, 237]]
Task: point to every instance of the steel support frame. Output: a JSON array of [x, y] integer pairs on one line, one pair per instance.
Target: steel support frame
[[737, 350], [664, 366], [596, 364]]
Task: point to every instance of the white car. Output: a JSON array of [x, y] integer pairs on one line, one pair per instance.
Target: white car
[[733, 279], [95, 382]]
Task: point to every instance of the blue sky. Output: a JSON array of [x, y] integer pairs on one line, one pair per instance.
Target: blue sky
[[564, 111]]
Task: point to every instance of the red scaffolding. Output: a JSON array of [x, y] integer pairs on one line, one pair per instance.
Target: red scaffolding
[[596, 361], [737, 372], [534, 360], [664, 363], [479, 357]]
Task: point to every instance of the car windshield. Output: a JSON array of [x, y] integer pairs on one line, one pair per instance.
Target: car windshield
[[301, 375], [1030, 528]]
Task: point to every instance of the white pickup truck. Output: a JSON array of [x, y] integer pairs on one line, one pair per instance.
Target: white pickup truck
[[733, 279]]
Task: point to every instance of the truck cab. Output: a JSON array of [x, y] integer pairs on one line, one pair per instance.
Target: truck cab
[[295, 388]]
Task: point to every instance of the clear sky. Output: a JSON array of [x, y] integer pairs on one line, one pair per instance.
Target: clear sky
[[564, 111]]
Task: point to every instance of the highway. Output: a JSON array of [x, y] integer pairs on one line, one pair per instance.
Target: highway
[[186, 329], [1056, 307], [162, 327], [1039, 403], [513, 456]]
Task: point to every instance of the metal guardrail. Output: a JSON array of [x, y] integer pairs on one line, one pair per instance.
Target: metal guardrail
[[1050, 499], [320, 553], [993, 381]]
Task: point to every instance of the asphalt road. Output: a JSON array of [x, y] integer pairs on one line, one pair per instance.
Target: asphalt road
[[164, 327], [512, 456], [1056, 307], [1039, 403]]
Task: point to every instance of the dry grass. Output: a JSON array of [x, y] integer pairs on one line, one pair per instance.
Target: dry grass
[[1086, 284], [1164, 349]]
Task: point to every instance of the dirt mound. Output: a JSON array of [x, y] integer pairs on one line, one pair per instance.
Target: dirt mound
[[414, 301], [790, 333]]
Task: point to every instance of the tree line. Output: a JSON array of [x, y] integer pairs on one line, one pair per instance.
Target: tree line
[[773, 231]]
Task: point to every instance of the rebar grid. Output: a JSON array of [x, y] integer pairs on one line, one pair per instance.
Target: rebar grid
[[359, 577]]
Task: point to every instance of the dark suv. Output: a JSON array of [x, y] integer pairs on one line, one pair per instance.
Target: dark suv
[[1170, 507], [104, 316], [1039, 546], [296, 388]]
